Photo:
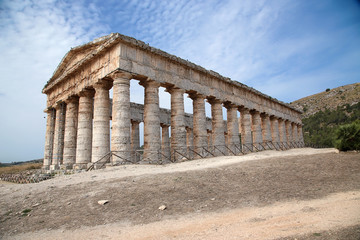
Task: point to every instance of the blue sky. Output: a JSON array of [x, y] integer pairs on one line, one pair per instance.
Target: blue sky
[[286, 49]]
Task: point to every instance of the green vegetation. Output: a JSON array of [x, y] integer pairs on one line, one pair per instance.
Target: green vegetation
[[348, 136], [323, 128]]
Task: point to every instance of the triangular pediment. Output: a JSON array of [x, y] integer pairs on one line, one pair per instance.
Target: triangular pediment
[[77, 54]]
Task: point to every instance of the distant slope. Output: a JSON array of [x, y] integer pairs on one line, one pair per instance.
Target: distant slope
[[329, 99], [325, 112]]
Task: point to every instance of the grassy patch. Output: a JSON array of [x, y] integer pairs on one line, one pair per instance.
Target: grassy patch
[[20, 168]]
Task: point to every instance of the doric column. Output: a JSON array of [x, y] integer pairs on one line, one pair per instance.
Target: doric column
[[165, 142], [152, 144], [282, 131], [71, 121], [294, 132], [189, 141], [58, 149], [288, 131], [199, 122], [218, 137], [49, 137], [178, 131], [135, 140], [275, 135], [233, 139], [266, 128], [245, 121], [120, 133], [300, 134], [84, 129], [256, 128], [101, 123], [209, 138]]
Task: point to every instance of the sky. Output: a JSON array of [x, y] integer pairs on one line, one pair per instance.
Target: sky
[[286, 49]]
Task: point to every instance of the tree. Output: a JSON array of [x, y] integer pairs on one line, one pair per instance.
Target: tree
[[348, 137]]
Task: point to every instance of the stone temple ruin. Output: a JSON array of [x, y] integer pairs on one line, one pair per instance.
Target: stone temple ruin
[[85, 128]]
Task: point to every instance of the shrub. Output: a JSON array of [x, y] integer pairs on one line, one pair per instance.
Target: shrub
[[328, 89], [348, 137]]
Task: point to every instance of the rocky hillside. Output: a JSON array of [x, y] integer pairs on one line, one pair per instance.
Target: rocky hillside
[[329, 99]]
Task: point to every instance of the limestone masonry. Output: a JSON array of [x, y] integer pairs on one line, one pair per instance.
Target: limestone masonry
[[85, 127]]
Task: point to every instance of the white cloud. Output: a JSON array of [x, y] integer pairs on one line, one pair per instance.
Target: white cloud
[[35, 36]]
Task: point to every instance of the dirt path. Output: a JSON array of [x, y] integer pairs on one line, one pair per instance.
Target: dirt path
[[265, 195], [270, 222]]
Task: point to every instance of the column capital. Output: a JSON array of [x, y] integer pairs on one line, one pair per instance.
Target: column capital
[[195, 95], [72, 98], [229, 105], [103, 84], [149, 83], [120, 75], [264, 115], [213, 100], [58, 105], [244, 110], [134, 121], [163, 125], [87, 93], [173, 89]]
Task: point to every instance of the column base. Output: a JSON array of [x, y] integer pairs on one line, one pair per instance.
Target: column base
[[66, 166], [80, 166], [54, 167], [45, 167]]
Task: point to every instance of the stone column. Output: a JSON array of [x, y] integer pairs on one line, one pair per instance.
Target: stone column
[[256, 128], [282, 131], [209, 138], [120, 133], [288, 131], [199, 123], [71, 121], [58, 149], [300, 134], [218, 137], [266, 129], [178, 131], [49, 137], [275, 130], [233, 140], [294, 132], [189, 142], [165, 142], [245, 121], [101, 123], [84, 129], [135, 140], [152, 144]]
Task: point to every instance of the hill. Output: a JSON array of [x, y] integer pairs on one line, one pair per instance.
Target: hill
[[325, 112], [329, 99]]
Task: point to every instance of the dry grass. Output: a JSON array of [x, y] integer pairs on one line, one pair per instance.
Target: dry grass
[[20, 168]]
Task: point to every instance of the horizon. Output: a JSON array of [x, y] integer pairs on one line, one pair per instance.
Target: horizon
[[285, 50]]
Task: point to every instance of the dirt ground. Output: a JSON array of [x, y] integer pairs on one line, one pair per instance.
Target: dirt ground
[[295, 194]]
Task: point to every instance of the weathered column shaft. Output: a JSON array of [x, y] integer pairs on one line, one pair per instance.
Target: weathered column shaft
[[266, 128], [282, 131], [233, 139], [209, 138], [71, 121], [275, 130], [288, 131], [199, 122], [218, 137], [58, 149], [135, 140], [49, 138], [178, 131], [300, 134], [152, 144], [120, 133], [256, 128], [245, 121], [165, 142], [294, 132], [189, 141], [84, 131], [101, 123]]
